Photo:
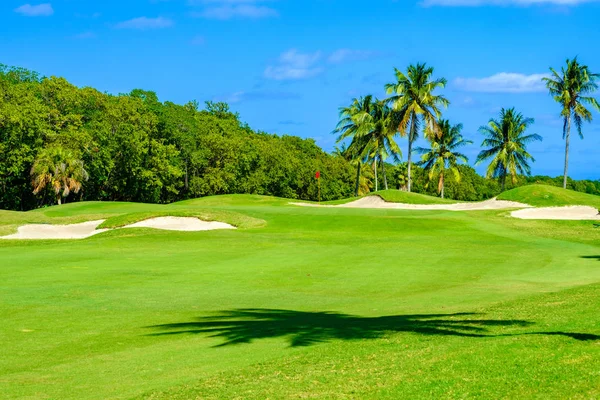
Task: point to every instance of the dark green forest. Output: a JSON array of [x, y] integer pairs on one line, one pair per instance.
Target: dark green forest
[[61, 143]]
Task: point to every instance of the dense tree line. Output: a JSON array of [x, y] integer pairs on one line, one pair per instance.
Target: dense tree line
[[56, 138], [59, 143]]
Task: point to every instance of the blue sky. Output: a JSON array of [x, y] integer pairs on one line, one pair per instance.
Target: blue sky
[[287, 66]]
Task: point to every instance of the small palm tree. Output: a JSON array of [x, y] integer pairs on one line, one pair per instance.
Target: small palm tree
[[382, 130], [443, 154], [506, 145], [372, 126], [401, 175], [351, 154], [59, 169], [350, 126], [571, 89], [413, 96]]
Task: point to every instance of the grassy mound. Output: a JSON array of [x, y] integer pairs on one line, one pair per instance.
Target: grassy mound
[[550, 196], [232, 218], [118, 214], [398, 196]]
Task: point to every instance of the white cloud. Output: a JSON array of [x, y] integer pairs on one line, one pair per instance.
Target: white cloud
[[256, 95], [229, 9], [475, 3], [144, 23], [503, 82], [293, 65], [40, 10], [346, 55]]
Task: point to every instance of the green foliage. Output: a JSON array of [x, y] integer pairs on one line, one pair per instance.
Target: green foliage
[[585, 186], [505, 144], [443, 154], [572, 88], [470, 187], [412, 96], [372, 126], [58, 170], [136, 148]]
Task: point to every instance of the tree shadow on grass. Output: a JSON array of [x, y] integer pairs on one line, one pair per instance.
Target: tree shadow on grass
[[591, 257], [308, 328]]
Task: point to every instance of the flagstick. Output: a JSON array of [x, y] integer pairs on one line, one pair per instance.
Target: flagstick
[[319, 182]]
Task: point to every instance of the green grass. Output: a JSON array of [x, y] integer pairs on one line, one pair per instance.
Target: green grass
[[398, 196], [310, 303], [550, 196]]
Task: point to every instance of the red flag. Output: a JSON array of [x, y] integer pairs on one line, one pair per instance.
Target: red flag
[[318, 174]]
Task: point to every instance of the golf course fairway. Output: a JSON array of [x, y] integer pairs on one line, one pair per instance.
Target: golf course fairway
[[300, 302]]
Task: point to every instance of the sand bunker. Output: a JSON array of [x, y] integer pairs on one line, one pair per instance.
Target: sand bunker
[[44, 231], [87, 229], [378, 202], [564, 213], [188, 224]]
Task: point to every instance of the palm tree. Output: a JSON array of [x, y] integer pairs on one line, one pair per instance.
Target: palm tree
[[570, 89], [372, 126], [443, 154], [382, 130], [350, 126], [506, 144], [400, 173], [412, 94], [59, 169]]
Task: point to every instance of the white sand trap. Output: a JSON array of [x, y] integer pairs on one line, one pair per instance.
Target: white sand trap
[[378, 202], [188, 224], [44, 231], [565, 213], [87, 229]]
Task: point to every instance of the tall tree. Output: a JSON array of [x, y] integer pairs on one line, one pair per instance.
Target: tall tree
[[58, 169], [505, 144], [443, 154], [571, 88], [382, 129], [413, 95], [350, 125]]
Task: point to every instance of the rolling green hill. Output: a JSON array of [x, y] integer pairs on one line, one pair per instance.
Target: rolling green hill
[[550, 196], [399, 196]]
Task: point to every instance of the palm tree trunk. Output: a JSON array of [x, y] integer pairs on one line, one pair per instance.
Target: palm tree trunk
[[442, 179], [384, 175], [58, 200], [357, 179], [375, 167], [411, 137], [567, 136], [503, 180]]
